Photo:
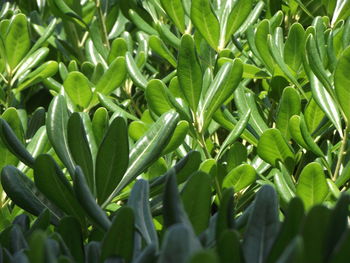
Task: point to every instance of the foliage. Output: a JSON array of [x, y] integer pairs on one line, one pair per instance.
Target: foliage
[[126, 124]]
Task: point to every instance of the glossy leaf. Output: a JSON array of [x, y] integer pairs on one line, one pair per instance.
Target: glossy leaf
[[240, 177], [87, 201], [341, 82], [205, 21], [148, 148], [175, 11], [17, 40], [189, 72], [224, 84], [289, 105], [312, 186], [78, 89], [56, 126], [112, 159], [25, 194], [196, 197], [272, 148], [262, 226], [119, 239], [52, 183]]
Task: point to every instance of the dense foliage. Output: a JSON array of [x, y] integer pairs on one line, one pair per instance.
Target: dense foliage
[[175, 131]]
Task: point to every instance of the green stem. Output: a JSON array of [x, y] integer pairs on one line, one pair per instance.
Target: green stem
[[341, 153], [102, 23]]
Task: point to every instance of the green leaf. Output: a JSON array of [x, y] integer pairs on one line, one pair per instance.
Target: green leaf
[[148, 149], [134, 72], [189, 72], [119, 240], [13, 144], [176, 12], [70, 231], [56, 126], [139, 202], [157, 97], [79, 147], [25, 194], [261, 34], [240, 177], [159, 47], [342, 82], [316, 63], [11, 116], [312, 186], [78, 89], [295, 131], [289, 105], [229, 247], [222, 87], [196, 198], [100, 123], [314, 233], [225, 218], [173, 209], [177, 138], [88, 203], [262, 226], [17, 40], [205, 21], [234, 134], [234, 21], [43, 72], [30, 62], [246, 101], [293, 47], [290, 228], [118, 49], [308, 139], [179, 244], [54, 185], [112, 159], [205, 256], [112, 78], [272, 148]]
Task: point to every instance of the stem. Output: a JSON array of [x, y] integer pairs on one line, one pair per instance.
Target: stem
[[341, 153], [102, 23], [204, 146]]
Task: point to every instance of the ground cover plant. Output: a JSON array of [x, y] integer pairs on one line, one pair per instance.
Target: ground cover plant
[[174, 131]]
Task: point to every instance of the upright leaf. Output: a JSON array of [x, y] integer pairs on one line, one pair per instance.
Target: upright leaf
[[189, 72], [176, 12], [272, 148], [77, 87], [17, 40], [224, 84], [342, 82], [262, 226], [196, 197], [312, 186], [112, 159], [119, 240], [205, 20]]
